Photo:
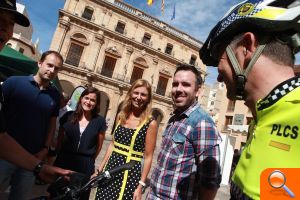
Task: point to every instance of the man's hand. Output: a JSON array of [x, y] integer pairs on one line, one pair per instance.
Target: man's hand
[[50, 173], [41, 155]]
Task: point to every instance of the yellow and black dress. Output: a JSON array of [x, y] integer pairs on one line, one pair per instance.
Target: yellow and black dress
[[129, 144]]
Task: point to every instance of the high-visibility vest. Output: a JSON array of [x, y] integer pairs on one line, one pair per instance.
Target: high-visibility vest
[[274, 143]]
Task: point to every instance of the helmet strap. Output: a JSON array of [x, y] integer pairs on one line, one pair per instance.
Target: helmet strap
[[242, 75], [295, 42]]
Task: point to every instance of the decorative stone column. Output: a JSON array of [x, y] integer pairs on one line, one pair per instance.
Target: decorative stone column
[[103, 17], [100, 39], [106, 17], [61, 32], [128, 53]]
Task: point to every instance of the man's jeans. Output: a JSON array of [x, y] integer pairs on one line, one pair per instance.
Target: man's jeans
[[20, 180]]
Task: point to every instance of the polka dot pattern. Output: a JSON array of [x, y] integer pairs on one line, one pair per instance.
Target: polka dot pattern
[[112, 190]]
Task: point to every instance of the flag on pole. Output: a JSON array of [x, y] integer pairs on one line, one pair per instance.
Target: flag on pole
[[162, 6], [150, 2], [174, 12]]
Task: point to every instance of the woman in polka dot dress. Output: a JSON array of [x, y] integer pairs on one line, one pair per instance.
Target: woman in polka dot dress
[[134, 138]]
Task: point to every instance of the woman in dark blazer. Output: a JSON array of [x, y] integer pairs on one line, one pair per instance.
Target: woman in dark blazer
[[81, 135]]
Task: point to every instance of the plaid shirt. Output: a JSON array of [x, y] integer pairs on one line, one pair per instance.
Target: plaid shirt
[[189, 157]]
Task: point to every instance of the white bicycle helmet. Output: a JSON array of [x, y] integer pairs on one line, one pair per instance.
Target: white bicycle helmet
[[279, 18], [269, 16]]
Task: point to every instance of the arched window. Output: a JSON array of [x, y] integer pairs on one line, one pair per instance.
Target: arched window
[[137, 73], [78, 42], [193, 60], [162, 85], [169, 49], [74, 54], [146, 39], [138, 70], [120, 27], [108, 66], [67, 86], [110, 60], [87, 13], [157, 115]]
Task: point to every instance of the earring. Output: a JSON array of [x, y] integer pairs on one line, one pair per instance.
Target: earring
[[245, 51]]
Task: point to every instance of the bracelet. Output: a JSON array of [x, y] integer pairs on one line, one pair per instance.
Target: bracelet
[[142, 183], [37, 169]]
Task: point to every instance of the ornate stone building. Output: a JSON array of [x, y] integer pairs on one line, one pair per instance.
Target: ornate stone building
[[22, 38], [109, 44]]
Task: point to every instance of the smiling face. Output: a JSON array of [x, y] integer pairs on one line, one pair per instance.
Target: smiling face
[[184, 89], [139, 98], [88, 102], [6, 27], [49, 67]]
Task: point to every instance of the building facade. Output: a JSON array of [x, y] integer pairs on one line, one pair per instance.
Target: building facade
[[235, 121], [110, 44], [232, 119], [211, 99], [22, 38]]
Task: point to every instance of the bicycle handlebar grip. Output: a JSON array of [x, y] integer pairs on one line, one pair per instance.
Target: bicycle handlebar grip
[[122, 167]]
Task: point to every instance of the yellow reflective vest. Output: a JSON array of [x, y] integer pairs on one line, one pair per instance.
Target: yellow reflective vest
[[274, 141]]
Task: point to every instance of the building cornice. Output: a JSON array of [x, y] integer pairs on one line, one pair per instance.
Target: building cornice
[[78, 21], [152, 22]]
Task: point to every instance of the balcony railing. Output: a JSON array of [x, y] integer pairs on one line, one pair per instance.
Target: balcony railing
[[156, 22]]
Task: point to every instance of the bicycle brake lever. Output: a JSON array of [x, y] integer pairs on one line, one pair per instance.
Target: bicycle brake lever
[[107, 175]]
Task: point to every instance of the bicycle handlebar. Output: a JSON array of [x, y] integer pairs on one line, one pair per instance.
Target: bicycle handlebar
[[107, 174], [126, 166], [72, 192]]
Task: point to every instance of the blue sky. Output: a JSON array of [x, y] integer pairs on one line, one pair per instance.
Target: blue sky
[[195, 17]]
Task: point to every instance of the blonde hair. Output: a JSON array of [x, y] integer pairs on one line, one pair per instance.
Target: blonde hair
[[126, 107]]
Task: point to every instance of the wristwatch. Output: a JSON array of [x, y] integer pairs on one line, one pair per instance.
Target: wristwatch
[[37, 169]]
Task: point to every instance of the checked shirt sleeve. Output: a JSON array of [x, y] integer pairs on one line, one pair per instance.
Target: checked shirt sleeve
[[206, 144]]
